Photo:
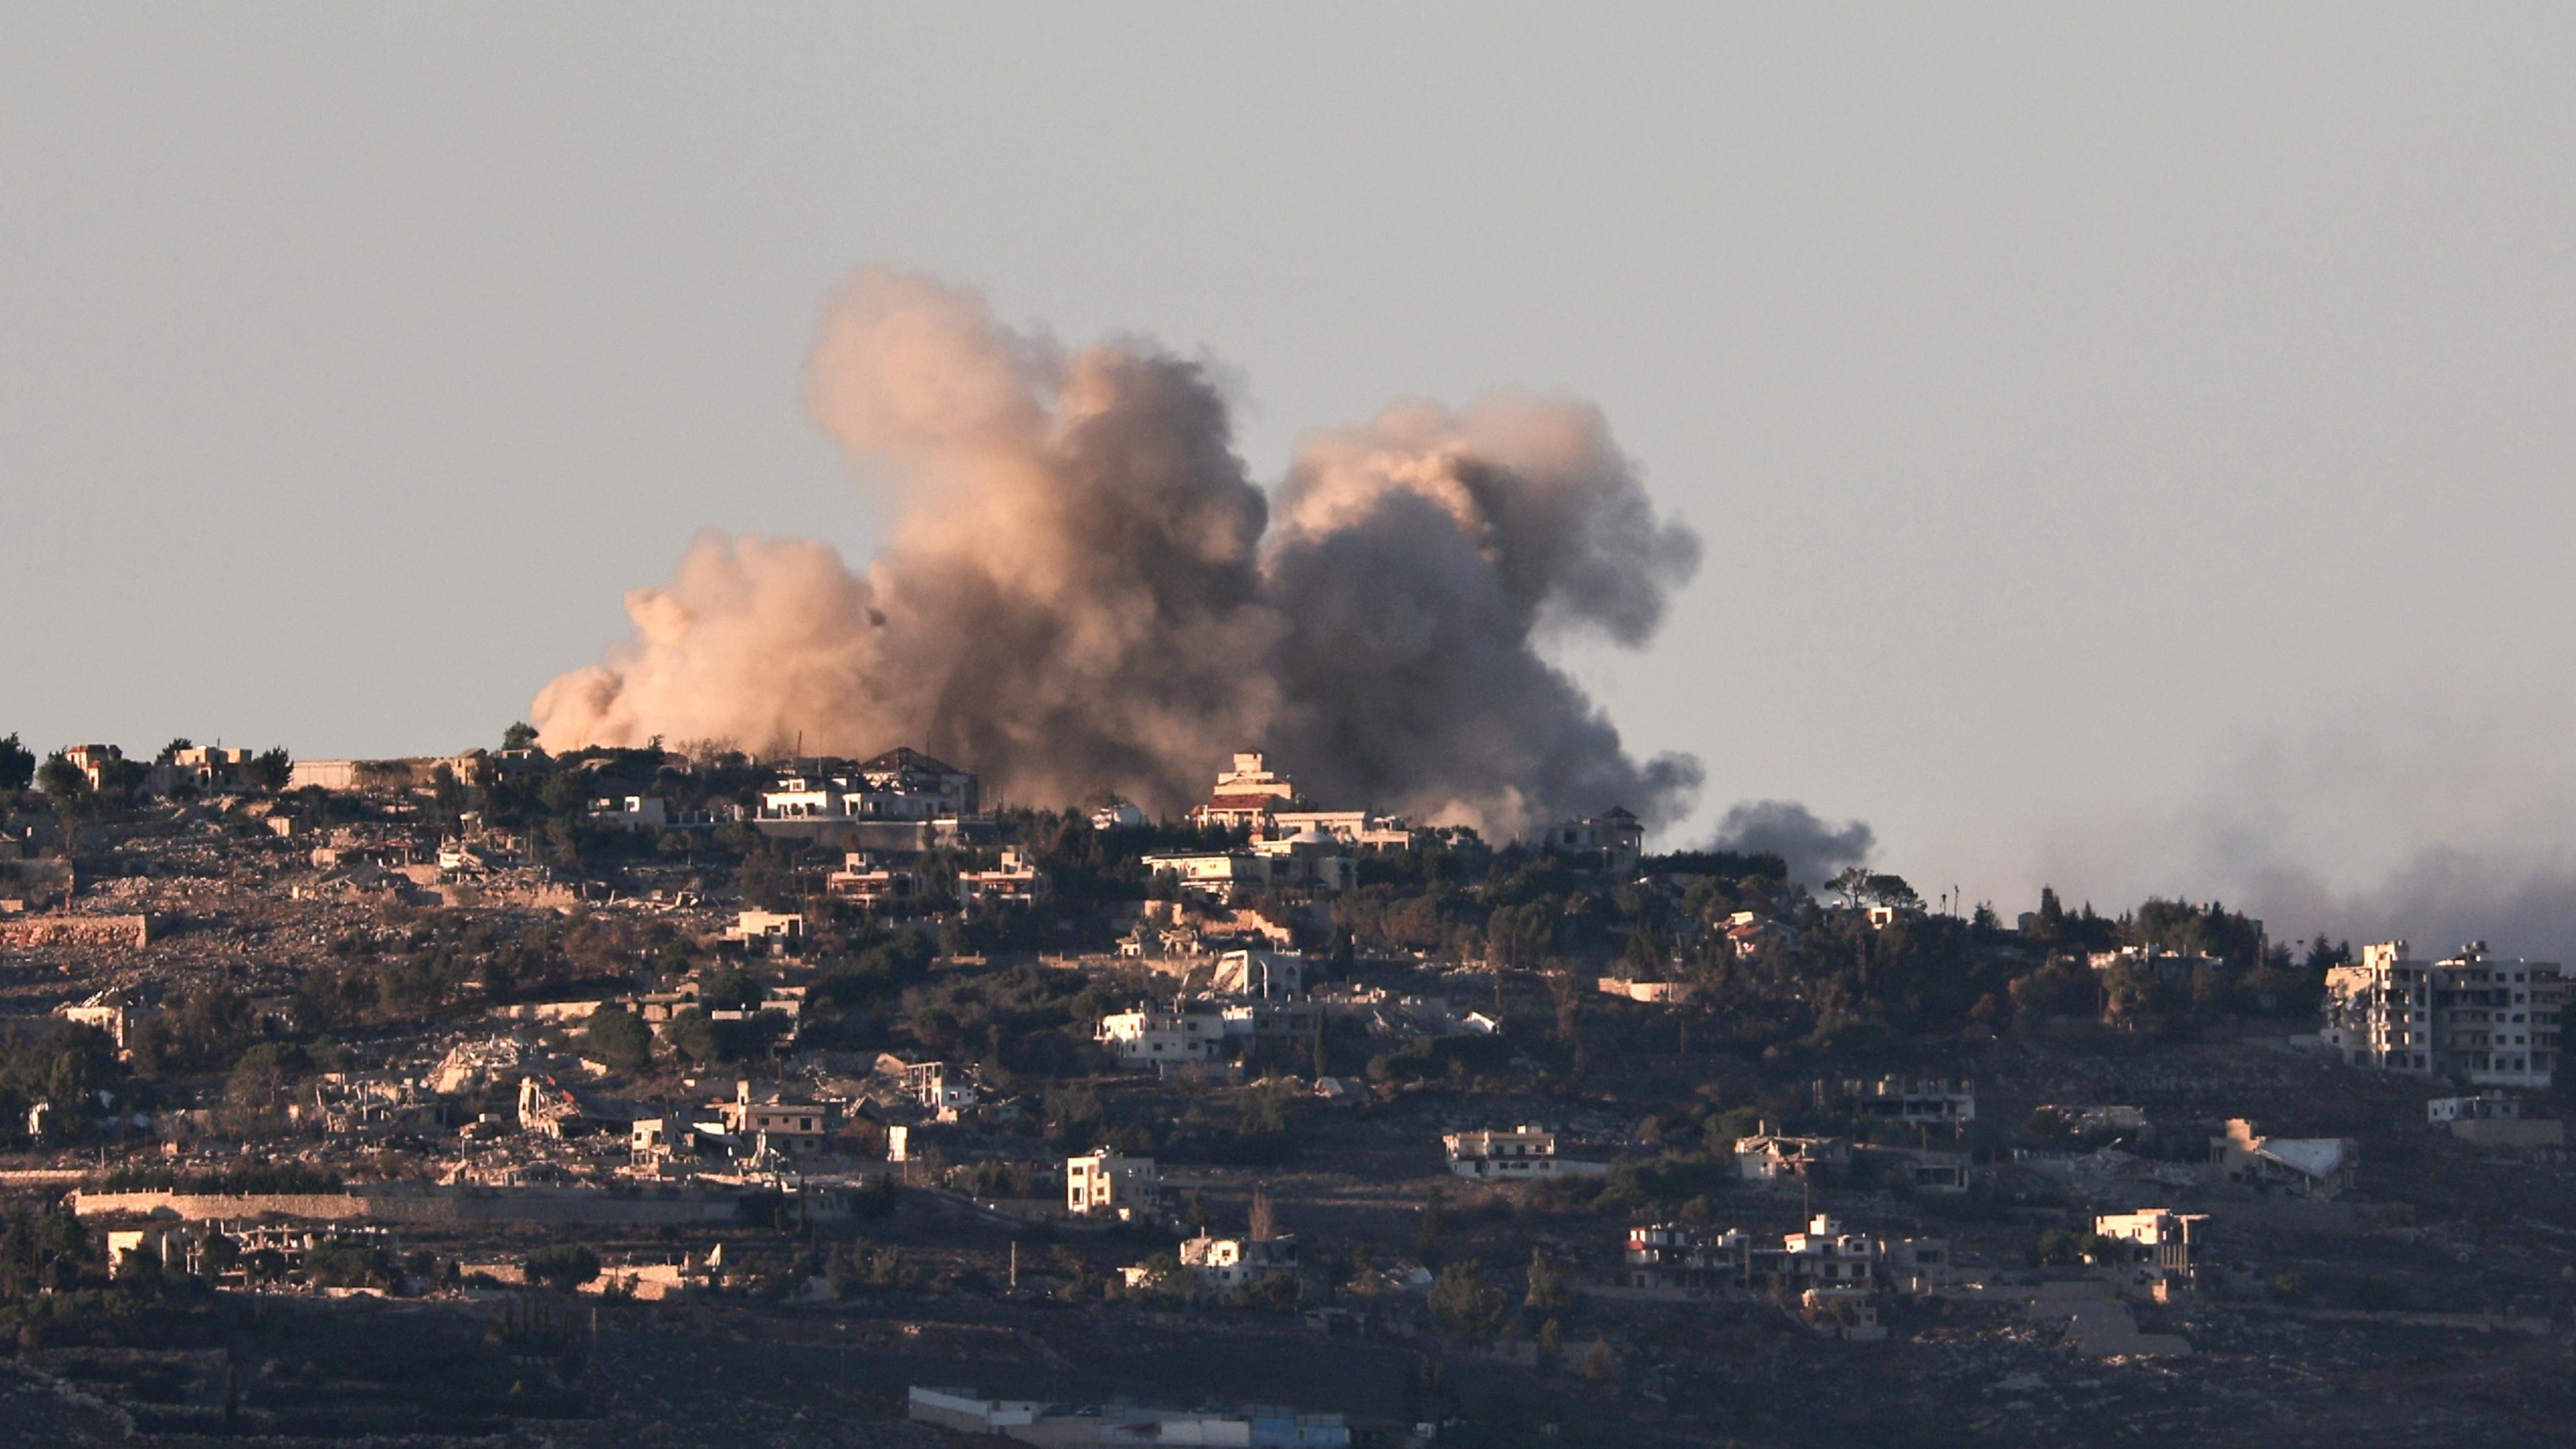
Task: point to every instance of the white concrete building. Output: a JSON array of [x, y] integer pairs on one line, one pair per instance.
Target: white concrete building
[[1357, 828], [1309, 861], [322, 774], [1244, 797], [1310, 858], [766, 926], [632, 812], [797, 797], [1103, 1183], [1016, 882], [1513, 1154], [1150, 1036], [871, 882], [902, 784]]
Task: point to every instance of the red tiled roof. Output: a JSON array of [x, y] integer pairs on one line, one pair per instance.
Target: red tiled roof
[[1242, 802]]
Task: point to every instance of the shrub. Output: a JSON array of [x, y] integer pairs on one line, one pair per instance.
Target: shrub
[[347, 1263], [562, 1266], [289, 1178], [617, 1037], [1466, 1305]]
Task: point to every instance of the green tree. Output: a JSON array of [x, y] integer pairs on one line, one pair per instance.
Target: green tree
[[61, 779], [1162, 1273], [617, 1037], [1519, 936], [222, 1251], [262, 1079], [1547, 1292], [269, 770], [562, 1266], [119, 777], [728, 991], [347, 1263], [1466, 1305], [331, 998], [565, 796], [1074, 1117], [449, 798], [1646, 954], [170, 752], [691, 1034], [1435, 1221], [1265, 1110], [520, 736], [17, 764]]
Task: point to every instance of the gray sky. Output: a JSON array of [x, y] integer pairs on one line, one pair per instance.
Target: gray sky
[[2132, 446]]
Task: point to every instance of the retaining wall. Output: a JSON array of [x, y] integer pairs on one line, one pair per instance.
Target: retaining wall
[[437, 1205], [28, 932]]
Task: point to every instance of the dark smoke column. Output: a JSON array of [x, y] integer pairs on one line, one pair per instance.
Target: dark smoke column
[[1085, 591]]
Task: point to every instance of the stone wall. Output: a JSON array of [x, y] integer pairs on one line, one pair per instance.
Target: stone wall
[[591, 1206], [28, 932]]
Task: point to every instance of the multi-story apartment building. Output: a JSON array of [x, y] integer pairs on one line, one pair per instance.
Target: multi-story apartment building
[[1824, 1260], [1897, 1099], [1103, 1182], [2472, 1017]]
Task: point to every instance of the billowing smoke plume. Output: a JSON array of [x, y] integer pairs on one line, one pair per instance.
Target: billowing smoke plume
[[1815, 851], [2437, 822], [1084, 591]]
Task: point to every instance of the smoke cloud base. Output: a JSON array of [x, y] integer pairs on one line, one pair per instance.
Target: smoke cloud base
[[1085, 593]]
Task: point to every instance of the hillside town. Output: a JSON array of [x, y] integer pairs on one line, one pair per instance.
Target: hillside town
[[652, 1096]]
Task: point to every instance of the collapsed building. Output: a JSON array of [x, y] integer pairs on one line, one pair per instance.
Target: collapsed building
[[1226, 1265], [1613, 841], [1768, 1157], [2156, 1248], [2302, 1166], [1038, 1422], [1825, 1260]]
